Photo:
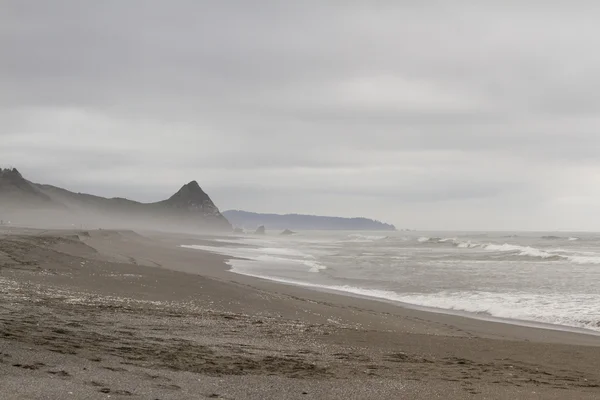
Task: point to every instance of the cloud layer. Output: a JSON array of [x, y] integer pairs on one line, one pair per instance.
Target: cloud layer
[[450, 115]]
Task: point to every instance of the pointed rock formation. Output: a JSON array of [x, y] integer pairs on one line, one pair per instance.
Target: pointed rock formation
[[191, 197], [189, 209]]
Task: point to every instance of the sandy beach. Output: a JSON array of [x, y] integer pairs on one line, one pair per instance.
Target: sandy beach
[[119, 314]]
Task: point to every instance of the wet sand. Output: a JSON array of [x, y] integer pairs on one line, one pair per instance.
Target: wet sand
[[107, 314]]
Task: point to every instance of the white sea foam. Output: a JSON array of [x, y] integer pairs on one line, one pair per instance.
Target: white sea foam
[[437, 240], [519, 250], [584, 259], [518, 277], [553, 254], [466, 245], [550, 254], [578, 311], [267, 255], [250, 252], [452, 239], [314, 266], [575, 310], [281, 251], [357, 237]]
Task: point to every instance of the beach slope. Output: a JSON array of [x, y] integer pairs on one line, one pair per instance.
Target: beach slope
[[93, 314]]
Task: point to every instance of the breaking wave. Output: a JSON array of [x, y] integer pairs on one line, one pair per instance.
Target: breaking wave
[[425, 239], [578, 311], [523, 251], [549, 254], [357, 237], [575, 310], [513, 250]]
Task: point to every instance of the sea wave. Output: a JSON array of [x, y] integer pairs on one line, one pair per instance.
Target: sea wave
[[574, 310], [314, 266], [357, 237], [513, 250], [526, 251], [552, 237], [577, 311], [548, 254], [439, 240], [425, 239]]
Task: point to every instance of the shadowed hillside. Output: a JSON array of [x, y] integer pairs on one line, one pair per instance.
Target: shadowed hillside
[[26, 203], [250, 220]]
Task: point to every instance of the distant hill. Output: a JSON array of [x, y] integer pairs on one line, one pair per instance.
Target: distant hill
[[250, 220], [26, 203]]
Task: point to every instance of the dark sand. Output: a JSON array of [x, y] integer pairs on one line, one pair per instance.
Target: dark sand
[[104, 314]]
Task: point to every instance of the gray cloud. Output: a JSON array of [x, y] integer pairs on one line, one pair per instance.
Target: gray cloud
[[444, 115]]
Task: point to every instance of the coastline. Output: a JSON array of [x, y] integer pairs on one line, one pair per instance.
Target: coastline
[[360, 293], [458, 313], [147, 307]]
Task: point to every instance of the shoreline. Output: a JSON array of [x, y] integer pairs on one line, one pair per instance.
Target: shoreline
[[337, 290], [522, 331], [127, 314], [529, 328], [416, 307]]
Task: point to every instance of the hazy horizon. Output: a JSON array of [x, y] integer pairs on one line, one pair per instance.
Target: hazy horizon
[[437, 116]]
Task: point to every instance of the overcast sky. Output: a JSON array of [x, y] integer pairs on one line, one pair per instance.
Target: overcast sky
[[429, 114]]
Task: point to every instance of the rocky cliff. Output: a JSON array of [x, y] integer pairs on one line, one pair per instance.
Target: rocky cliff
[[192, 198]]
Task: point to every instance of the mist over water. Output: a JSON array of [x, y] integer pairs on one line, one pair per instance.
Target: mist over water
[[542, 277]]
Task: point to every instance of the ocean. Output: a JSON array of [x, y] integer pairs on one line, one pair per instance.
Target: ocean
[[548, 278]]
